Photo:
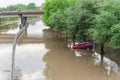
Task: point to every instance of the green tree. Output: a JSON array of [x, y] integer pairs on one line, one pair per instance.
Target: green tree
[[16, 7], [101, 32], [106, 30], [113, 7], [87, 9], [51, 6], [58, 22], [115, 36], [31, 6], [71, 23], [75, 20]]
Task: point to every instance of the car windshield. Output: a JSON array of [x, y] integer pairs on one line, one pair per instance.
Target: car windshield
[[83, 43]]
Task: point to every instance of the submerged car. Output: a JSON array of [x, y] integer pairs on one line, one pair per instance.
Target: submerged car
[[83, 45]]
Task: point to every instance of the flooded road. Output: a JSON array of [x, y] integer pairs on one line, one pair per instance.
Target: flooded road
[[42, 55]]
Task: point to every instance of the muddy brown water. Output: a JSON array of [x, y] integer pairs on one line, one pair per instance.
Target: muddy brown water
[[51, 58]]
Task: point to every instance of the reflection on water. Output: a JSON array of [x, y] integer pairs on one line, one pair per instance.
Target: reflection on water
[[82, 52], [111, 67], [37, 30], [53, 60], [31, 55]]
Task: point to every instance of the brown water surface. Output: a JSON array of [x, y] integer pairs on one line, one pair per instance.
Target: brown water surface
[[45, 56]]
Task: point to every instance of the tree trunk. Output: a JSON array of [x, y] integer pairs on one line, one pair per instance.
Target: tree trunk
[[84, 39], [102, 52], [73, 41], [102, 49], [102, 57]]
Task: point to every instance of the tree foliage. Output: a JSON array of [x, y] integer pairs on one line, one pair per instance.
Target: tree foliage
[[115, 38], [86, 11], [75, 20], [103, 23], [58, 22], [107, 22], [31, 6], [96, 19], [51, 6]]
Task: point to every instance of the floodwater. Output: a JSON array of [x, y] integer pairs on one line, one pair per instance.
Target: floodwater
[[43, 55]]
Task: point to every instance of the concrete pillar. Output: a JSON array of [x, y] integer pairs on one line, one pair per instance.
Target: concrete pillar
[[24, 23]]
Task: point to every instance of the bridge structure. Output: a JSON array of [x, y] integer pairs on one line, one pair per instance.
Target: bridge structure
[[22, 14]]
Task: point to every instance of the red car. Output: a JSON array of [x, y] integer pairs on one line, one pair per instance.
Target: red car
[[84, 45]]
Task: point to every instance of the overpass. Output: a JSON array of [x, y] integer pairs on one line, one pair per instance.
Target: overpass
[[21, 13]]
